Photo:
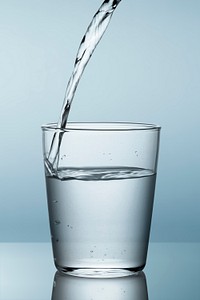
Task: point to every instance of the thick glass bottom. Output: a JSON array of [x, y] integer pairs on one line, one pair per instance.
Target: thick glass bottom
[[99, 272]]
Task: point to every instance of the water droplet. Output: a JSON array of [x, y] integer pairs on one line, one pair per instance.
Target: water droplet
[[54, 283], [55, 201]]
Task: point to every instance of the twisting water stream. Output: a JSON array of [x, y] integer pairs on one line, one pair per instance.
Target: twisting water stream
[[93, 35]]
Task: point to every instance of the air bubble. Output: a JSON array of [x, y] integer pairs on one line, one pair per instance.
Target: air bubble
[[56, 222]]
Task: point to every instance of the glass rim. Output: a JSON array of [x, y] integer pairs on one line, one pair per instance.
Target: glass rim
[[101, 126]]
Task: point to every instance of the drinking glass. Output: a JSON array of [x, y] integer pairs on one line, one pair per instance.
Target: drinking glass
[[100, 181], [132, 287]]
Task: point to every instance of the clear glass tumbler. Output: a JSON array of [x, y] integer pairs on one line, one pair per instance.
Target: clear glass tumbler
[[100, 191], [121, 288]]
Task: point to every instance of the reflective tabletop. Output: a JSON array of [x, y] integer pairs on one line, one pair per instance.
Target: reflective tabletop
[[27, 272]]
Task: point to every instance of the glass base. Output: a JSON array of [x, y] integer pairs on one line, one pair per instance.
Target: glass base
[[100, 273]]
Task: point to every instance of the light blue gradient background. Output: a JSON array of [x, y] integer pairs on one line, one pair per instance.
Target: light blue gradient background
[[146, 69]]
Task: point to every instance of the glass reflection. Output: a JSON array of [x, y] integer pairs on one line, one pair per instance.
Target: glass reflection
[[70, 287]]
